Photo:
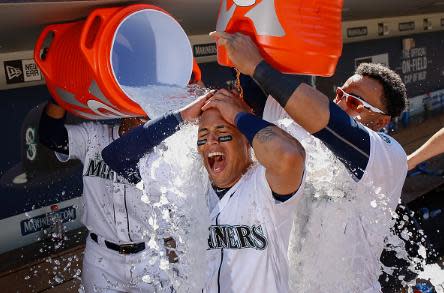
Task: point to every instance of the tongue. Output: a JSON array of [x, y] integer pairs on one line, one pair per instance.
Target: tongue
[[218, 163]]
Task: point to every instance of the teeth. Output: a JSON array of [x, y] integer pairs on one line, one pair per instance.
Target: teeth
[[213, 154]]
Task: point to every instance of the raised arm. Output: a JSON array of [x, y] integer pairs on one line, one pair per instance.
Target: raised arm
[[308, 107], [281, 154], [124, 154], [432, 147]]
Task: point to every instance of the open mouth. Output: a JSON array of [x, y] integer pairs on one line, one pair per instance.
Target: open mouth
[[216, 161]]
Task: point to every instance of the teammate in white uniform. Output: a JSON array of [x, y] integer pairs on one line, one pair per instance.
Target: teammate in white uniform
[[343, 239], [115, 257], [251, 204]]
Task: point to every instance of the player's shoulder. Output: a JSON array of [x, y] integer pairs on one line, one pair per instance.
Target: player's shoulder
[[381, 139], [387, 156], [94, 130]]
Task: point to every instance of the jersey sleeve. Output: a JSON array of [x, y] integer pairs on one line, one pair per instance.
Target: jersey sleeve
[[387, 166], [273, 111], [78, 140], [264, 190]]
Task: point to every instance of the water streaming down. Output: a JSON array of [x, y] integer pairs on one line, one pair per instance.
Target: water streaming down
[[175, 184], [156, 100]]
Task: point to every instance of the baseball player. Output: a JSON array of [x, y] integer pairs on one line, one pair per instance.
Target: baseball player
[[116, 255], [343, 239], [251, 203]]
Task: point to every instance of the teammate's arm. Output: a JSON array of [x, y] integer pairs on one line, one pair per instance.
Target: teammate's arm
[[123, 154], [307, 106], [52, 131], [281, 154], [432, 147]]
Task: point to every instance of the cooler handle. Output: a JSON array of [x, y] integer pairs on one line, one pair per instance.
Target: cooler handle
[[93, 25], [38, 47]]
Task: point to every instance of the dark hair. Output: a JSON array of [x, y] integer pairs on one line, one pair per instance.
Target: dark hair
[[395, 93]]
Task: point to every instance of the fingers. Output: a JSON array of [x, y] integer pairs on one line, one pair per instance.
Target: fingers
[[212, 103], [220, 35], [226, 93]]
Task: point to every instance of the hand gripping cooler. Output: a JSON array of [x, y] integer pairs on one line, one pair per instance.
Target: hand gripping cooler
[[88, 62], [294, 36]]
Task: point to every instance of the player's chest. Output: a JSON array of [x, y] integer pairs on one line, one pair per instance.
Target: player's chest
[[238, 222]]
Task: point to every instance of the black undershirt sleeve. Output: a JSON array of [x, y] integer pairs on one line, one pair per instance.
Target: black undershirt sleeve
[[53, 133], [347, 139], [123, 154], [254, 96]]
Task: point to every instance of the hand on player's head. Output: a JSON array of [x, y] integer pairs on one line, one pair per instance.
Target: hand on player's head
[[241, 50], [228, 103], [192, 111]]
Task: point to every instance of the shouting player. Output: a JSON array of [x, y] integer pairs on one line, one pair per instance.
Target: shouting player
[[346, 237], [251, 203]]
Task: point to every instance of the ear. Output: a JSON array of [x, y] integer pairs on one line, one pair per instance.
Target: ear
[[382, 121]]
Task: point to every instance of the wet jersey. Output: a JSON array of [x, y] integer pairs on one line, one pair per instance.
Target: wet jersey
[[112, 206], [341, 240], [249, 236]]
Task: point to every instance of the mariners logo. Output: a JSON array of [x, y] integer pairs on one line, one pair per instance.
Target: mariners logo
[[31, 144], [385, 138], [237, 237]]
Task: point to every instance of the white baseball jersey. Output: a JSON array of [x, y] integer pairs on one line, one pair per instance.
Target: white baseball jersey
[[341, 244], [249, 236], [113, 208]]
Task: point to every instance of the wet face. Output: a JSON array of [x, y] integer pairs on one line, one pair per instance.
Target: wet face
[[371, 91], [224, 150]]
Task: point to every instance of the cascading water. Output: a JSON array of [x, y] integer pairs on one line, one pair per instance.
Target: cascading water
[[175, 184]]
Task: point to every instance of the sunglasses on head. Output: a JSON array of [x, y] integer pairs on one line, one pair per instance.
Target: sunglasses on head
[[354, 102]]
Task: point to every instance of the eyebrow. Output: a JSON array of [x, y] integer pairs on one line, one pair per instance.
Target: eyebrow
[[217, 127]]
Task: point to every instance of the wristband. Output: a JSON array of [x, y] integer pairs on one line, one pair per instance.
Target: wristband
[[249, 124], [280, 86]]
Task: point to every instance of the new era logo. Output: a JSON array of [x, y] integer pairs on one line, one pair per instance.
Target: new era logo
[[12, 72], [18, 71]]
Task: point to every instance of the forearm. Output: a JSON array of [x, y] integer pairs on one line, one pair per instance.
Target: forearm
[[254, 96], [433, 147], [306, 106], [123, 154], [52, 131]]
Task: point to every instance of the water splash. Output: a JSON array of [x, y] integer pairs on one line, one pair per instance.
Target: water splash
[[157, 100], [176, 185]]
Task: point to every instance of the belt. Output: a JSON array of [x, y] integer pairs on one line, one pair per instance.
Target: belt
[[132, 248]]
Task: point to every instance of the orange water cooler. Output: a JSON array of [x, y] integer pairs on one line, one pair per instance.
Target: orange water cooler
[[295, 36], [87, 64]]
